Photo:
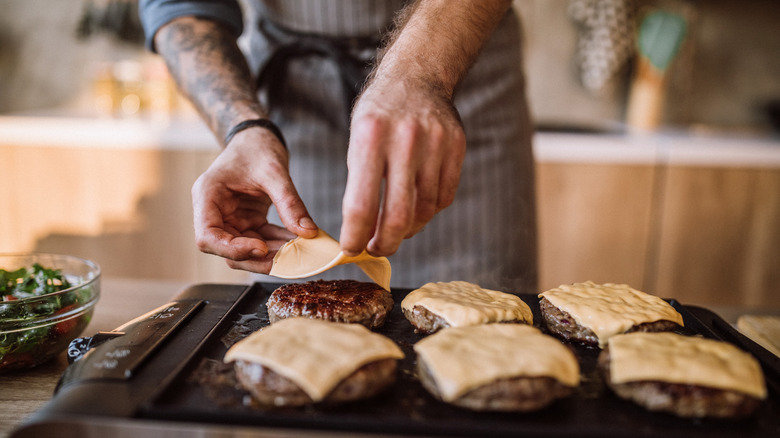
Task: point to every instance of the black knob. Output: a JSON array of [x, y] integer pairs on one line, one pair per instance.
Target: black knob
[[80, 346]]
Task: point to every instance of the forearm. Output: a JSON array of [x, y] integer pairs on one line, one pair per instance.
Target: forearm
[[436, 41], [210, 70]]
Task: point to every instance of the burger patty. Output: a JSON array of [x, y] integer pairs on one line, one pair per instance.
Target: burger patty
[[347, 301], [562, 324], [427, 322], [518, 394], [272, 389], [680, 399]]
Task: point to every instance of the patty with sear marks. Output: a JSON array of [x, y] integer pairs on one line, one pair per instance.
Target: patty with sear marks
[[680, 399], [563, 325], [514, 394], [347, 301], [272, 389]]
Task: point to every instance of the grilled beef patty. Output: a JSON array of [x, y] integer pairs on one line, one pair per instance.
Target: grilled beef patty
[[520, 394], [347, 301], [272, 389], [427, 322], [680, 399], [562, 324]]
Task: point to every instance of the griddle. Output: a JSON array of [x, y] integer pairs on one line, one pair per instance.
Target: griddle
[[162, 375]]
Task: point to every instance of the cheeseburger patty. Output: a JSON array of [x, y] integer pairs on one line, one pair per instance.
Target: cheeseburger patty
[[347, 301], [520, 394], [427, 322], [438, 305], [271, 388], [683, 400], [565, 326]]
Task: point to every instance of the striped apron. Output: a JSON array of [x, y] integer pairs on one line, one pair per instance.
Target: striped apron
[[307, 55]]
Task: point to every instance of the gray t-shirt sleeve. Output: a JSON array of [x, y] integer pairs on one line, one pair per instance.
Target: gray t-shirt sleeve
[[156, 13]]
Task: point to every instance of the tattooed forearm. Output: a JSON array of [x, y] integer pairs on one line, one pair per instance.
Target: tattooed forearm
[[210, 70]]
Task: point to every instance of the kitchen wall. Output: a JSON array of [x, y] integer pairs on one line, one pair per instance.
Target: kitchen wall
[[724, 74], [726, 71]]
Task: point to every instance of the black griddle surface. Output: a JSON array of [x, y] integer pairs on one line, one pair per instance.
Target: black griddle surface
[[408, 409]]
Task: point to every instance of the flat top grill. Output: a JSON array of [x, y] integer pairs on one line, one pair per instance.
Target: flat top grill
[[166, 368]]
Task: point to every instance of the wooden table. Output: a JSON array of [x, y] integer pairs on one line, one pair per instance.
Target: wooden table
[[22, 393]]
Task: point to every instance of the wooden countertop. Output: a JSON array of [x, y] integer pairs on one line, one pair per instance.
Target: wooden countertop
[[22, 393]]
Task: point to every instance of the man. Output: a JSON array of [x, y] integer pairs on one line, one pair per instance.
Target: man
[[403, 143]]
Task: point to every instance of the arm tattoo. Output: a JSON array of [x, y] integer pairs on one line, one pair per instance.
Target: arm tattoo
[[211, 71]]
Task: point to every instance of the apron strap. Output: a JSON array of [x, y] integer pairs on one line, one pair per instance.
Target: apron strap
[[289, 45]]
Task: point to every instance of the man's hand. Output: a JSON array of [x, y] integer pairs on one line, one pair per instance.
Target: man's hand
[[231, 200], [410, 136], [405, 130]]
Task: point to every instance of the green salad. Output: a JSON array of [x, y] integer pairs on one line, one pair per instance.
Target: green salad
[[24, 283], [28, 295]]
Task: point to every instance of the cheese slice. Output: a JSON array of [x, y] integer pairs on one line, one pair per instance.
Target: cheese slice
[[762, 329], [301, 258], [464, 358], [673, 358], [610, 309], [315, 354], [461, 303]]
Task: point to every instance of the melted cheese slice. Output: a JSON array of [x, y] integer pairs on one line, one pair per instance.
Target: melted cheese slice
[[301, 258], [461, 304], [610, 309], [315, 354], [673, 358], [464, 358], [763, 329]]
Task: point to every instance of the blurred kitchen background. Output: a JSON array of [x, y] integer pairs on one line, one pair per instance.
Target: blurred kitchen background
[[658, 153]]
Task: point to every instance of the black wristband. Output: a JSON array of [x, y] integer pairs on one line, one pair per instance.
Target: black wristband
[[251, 123]]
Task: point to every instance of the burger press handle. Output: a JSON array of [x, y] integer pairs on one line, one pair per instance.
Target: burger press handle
[[119, 353]]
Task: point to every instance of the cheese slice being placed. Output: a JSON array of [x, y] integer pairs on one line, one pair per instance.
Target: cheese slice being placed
[[461, 303], [673, 358], [301, 258], [463, 358], [610, 309], [315, 354]]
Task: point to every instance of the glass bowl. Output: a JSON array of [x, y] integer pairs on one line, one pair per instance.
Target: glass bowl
[[35, 329]]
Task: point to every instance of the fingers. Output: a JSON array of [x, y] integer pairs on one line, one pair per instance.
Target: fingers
[[212, 234], [398, 210], [247, 250], [429, 184], [292, 211], [449, 178], [366, 164], [231, 201], [269, 175], [260, 265], [419, 162]]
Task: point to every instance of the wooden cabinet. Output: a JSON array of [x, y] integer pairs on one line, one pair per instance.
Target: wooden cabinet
[[719, 236], [706, 233], [594, 222]]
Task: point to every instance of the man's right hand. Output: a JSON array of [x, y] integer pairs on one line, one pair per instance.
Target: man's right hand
[[231, 200]]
